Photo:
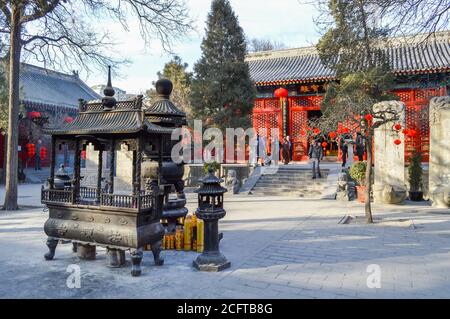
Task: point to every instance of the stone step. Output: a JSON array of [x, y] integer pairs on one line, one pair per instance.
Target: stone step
[[289, 194], [295, 185]]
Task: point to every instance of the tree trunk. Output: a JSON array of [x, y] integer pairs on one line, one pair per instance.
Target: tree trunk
[[368, 207], [13, 117]]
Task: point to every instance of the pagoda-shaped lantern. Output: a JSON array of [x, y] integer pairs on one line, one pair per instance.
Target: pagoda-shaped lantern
[[106, 215], [210, 210]]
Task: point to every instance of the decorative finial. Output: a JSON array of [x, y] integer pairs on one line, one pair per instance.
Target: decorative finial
[[164, 88], [109, 101]]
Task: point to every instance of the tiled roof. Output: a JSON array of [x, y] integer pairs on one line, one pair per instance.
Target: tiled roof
[[406, 55], [124, 118], [45, 86]]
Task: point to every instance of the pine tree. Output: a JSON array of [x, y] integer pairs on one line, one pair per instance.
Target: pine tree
[[222, 93]]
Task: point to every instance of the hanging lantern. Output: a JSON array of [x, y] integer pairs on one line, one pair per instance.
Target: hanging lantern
[[43, 153], [30, 149], [412, 133], [34, 115], [332, 135], [397, 142], [68, 119], [83, 155], [398, 127], [281, 93], [316, 131], [324, 144], [369, 117]]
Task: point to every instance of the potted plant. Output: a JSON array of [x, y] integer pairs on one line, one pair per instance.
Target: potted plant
[[358, 173], [214, 165], [415, 177]]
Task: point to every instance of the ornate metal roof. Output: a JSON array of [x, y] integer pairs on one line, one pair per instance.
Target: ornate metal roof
[[210, 185], [163, 110], [406, 55], [125, 117]]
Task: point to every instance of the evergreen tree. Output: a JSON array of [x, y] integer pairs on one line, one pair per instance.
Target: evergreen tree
[[222, 93]]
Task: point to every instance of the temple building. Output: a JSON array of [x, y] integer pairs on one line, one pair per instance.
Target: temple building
[[46, 96], [421, 65]]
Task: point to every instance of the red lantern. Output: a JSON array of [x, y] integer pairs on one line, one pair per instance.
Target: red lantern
[[369, 117], [43, 153], [397, 142], [281, 93], [30, 149], [316, 131], [332, 135], [324, 144], [83, 155], [411, 133], [34, 115], [398, 127], [68, 119]]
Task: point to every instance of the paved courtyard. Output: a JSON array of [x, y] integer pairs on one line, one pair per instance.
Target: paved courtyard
[[278, 248]]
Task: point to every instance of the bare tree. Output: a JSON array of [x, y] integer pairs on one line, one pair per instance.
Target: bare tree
[[409, 17], [58, 33], [259, 45]]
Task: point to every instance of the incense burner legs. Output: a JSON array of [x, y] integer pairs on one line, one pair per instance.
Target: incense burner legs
[[136, 259], [51, 244], [156, 250]]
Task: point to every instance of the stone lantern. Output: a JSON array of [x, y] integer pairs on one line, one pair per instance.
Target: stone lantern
[[210, 210]]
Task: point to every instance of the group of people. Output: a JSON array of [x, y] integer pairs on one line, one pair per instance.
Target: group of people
[[265, 158], [348, 146]]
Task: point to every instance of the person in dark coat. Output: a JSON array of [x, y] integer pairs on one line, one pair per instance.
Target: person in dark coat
[[37, 156], [290, 148], [286, 150], [344, 149], [360, 149], [315, 154]]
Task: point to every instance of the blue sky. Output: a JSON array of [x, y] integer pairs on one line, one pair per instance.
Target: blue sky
[[287, 21]]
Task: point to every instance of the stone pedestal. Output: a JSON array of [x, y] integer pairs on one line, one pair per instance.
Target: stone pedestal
[[390, 183], [86, 252], [116, 257], [439, 171]]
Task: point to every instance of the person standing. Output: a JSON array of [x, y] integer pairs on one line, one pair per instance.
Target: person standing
[[290, 148], [286, 151], [262, 149], [37, 156], [344, 149], [315, 154], [360, 149]]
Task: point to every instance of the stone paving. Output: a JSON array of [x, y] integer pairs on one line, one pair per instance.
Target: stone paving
[[278, 247]]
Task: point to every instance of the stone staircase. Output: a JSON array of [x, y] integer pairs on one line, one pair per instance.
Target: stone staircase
[[292, 182]]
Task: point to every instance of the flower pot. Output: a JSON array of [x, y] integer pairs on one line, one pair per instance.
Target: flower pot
[[361, 193], [416, 196]]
